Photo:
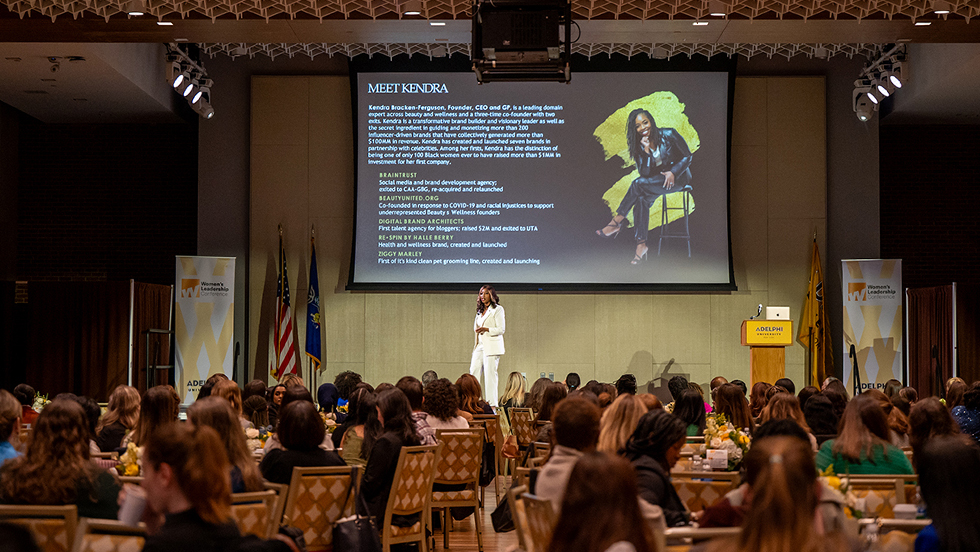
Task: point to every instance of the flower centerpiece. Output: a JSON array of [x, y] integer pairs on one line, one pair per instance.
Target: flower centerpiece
[[854, 506], [329, 421], [131, 461], [40, 401], [256, 438], [719, 434]]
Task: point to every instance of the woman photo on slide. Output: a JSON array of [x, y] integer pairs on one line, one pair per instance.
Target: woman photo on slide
[[663, 161], [489, 326]]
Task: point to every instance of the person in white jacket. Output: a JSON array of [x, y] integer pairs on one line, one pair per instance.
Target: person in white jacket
[[489, 326]]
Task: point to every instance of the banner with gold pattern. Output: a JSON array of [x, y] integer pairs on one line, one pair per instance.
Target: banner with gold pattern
[[205, 322], [873, 320]]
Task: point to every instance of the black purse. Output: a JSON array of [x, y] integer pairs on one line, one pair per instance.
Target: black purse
[[488, 467], [357, 532]]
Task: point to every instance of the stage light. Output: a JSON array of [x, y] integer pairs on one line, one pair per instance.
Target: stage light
[[861, 100], [202, 89], [881, 84], [896, 74], [174, 71], [700, 23]]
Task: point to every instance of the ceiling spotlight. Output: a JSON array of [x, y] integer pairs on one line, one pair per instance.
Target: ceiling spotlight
[[191, 85], [181, 79], [203, 90], [940, 7], [896, 74], [861, 100], [717, 8], [173, 71], [135, 7], [881, 85], [412, 7]]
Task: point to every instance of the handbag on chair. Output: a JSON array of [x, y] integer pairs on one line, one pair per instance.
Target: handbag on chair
[[357, 532]]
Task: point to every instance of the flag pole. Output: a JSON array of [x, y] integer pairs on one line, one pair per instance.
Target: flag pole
[[313, 371], [276, 345]]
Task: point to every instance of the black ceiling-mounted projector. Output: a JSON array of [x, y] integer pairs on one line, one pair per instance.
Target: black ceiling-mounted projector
[[521, 40]]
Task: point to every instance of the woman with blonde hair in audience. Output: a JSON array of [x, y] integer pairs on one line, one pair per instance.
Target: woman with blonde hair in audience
[[216, 413], [786, 406], [120, 418], [229, 391], [596, 514], [898, 423], [757, 399], [618, 422], [10, 416], [730, 401], [56, 468], [159, 407], [785, 496], [470, 395], [863, 446], [514, 393]]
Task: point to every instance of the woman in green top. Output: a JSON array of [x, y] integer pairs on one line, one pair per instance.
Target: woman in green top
[[862, 445], [366, 420], [690, 408]]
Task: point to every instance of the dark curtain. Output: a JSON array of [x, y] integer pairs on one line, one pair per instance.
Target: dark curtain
[[930, 326], [11, 374], [79, 335], [151, 310], [968, 332]]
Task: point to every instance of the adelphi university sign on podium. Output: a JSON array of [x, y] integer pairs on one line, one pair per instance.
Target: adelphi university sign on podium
[[767, 333]]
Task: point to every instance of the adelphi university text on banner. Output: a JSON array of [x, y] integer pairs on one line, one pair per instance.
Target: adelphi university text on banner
[[205, 322], [873, 320]]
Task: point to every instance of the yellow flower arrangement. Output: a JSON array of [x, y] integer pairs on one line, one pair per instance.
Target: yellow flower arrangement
[[719, 434], [131, 461], [853, 505]]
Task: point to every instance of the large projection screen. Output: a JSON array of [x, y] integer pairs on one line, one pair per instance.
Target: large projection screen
[[460, 184]]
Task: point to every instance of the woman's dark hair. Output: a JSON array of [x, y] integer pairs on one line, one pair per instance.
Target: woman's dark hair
[[441, 400], [92, 413], [494, 300], [594, 515], [24, 394], [757, 400], [954, 395], [690, 409], [396, 416], [806, 393], [295, 393], [160, 406], [533, 399], [271, 393], [928, 419], [301, 427], [346, 382], [256, 410], [412, 387], [573, 381], [820, 415], [252, 388], [892, 387], [741, 385], [364, 404], [730, 401], [971, 399], [553, 394], [633, 140], [626, 384], [676, 385], [909, 394], [863, 426], [947, 477], [657, 431], [384, 386], [209, 384], [837, 398]]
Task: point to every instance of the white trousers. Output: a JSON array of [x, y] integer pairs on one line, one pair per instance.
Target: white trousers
[[487, 364]]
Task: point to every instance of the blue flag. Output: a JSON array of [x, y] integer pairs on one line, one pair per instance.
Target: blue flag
[[313, 313]]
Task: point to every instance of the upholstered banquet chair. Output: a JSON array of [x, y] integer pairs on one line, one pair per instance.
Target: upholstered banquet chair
[[97, 535], [411, 491], [53, 527], [459, 464], [316, 500], [541, 522], [253, 512]]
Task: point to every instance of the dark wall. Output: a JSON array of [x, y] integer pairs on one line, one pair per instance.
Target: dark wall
[[9, 150], [106, 202], [930, 195]]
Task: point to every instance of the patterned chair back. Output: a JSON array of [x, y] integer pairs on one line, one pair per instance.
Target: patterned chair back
[[880, 494], [495, 435], [522, 426], [96, 535], [462, 453], [698, 490], [316, 500], [540, 521], [412, 485], [253, 512], [53, 527]]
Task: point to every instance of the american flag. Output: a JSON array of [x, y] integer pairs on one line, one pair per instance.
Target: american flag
[[285, 361]]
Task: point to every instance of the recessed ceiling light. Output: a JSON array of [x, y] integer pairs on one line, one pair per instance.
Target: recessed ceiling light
[[437, 23], [165, 23], [180, 40], [923, 23], [700, 23]]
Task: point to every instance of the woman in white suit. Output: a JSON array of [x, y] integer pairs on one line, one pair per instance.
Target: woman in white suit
[[489, 327]]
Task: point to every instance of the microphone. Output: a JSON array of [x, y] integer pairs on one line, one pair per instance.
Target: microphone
[[757, 314]]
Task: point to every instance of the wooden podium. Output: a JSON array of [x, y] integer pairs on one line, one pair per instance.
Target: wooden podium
[[767, 341]]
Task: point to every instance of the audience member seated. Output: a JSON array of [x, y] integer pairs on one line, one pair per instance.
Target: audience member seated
[[470, 393], [909, 394], [929, 419], [650, 401], [254, 388], [301, 432], [188, 495], [208, 387], [891, 389], [690, 410], [741, 385], [25, 396], [120, 417], [514, 393], [398, 431], [898, 423], [533, 400], [708, 408], [675, 385], [293, 380], [786, 384], [56, 468], [594, 516], [412, 388], [654, 449], [572, 381], [327, 397], [967, 415], [730, 401], [365, 414], [786, 406], [10, 416], [441, 404], [785, 495], [626, 384], [553, 394], [159, 407], [949, 487], [428, 377], [256, 410], [346, 382], [805, 395], [229, 391], [715, 383], [576, 431], [92, 414], [863, 446], [216, 413], [820, 415], [772, 391], [757, 400], [835, 391], [276, 392]]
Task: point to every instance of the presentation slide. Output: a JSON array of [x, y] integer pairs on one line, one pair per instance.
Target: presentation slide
[[589, 185]]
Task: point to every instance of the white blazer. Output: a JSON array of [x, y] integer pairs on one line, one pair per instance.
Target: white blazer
[[492, 340]]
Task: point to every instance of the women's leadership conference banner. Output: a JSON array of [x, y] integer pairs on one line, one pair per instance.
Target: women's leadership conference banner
[[205, 322], [872, 320]]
